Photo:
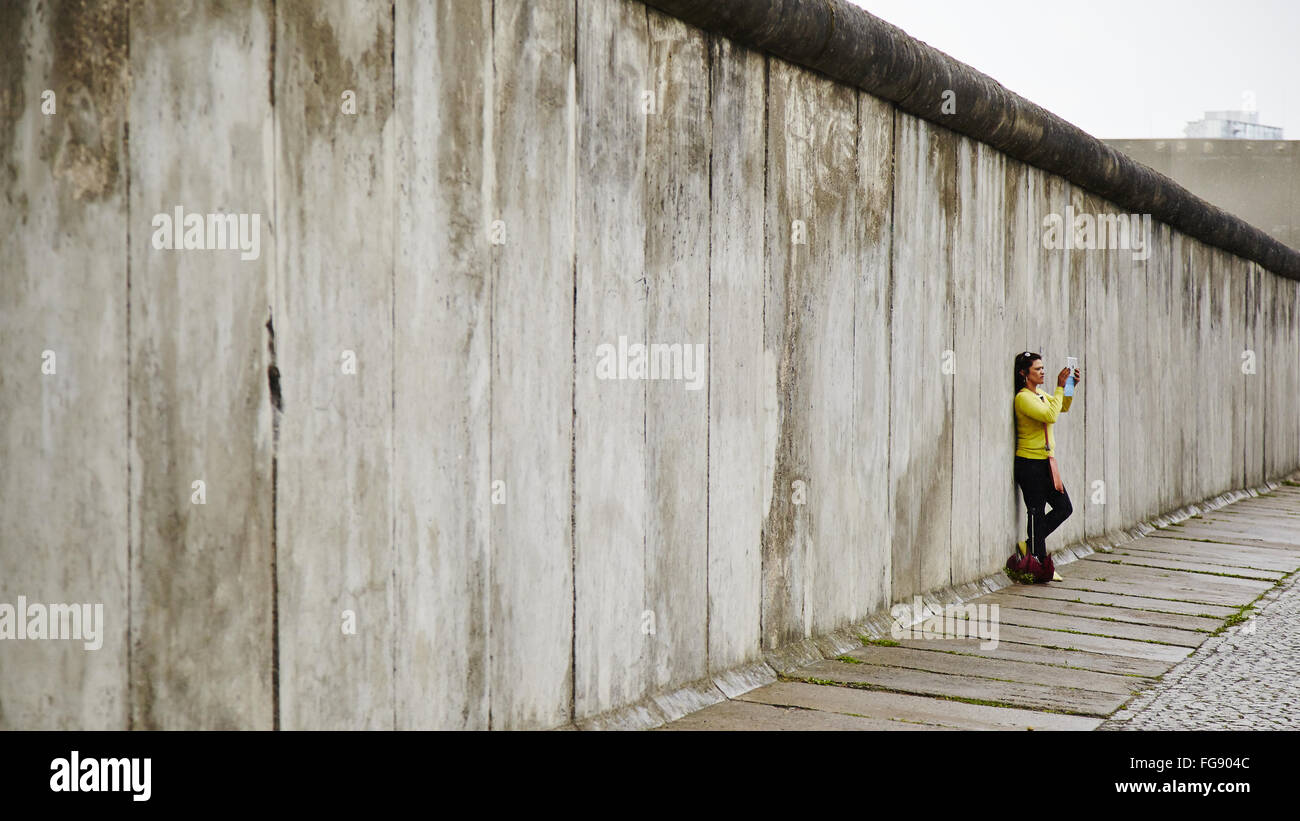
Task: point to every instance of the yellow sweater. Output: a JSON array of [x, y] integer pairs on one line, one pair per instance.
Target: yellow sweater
[[1033, 408]]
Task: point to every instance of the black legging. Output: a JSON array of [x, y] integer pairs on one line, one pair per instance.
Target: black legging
[[1034, 476]]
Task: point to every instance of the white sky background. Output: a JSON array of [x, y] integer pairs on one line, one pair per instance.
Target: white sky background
[[1123, 68]]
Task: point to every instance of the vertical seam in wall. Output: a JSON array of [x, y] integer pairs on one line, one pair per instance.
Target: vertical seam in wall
[[889, 412], [648, 507], [856, 238], [573, 383], [126, 151], [708, 340], [395, 220], [767, 241], [1084, 409], [953, 243], [275, 422], [493, 270], [1264, 403], [980, 321]]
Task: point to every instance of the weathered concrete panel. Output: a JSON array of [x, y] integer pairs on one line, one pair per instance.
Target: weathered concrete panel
[[63, 330], [964, 370], [1224, 417], [678, 145], [441, 367], [333, 323], [1291, 452], [1104, 381], [1257, 294], [1283, 450], [1055, 312], [611, 500], [534, 153], [1241, 322], [1041, 315], [869, 550], [1185, 292], [1074, 434], [740, 411], [1205, 352], [920, 464], [201, 386], [1020, 238], [1084, 274], [1133, 453], [1276, 318], [812, 198], [1150, 380], [1194, 281], [1179, 421], [829, 277], [998, 343]]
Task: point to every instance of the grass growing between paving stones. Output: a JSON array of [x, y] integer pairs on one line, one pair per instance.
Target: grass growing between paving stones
[[1184, 570], [968, 674], [1131, 607], [1102, 636], [983, 702], [1235, 619], [1147, 595], [1241, 615], [868, 641], [1134, 607], [849, 660], [1043, 663]]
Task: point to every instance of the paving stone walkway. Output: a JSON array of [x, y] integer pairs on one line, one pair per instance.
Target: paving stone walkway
[[1150, 636], [1246, 679]]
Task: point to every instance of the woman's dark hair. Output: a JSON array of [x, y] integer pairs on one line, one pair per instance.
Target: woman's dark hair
[[1024, 361]]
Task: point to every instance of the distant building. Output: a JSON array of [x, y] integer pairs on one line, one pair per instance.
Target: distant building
[[1255, 179], [1231, 125]]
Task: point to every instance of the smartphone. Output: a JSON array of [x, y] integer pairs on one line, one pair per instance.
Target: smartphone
[[1071, 362]]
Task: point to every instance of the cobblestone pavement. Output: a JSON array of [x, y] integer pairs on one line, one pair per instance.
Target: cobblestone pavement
[[1248, 678]]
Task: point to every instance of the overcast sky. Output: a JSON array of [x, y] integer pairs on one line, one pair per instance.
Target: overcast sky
[[1123, 68]]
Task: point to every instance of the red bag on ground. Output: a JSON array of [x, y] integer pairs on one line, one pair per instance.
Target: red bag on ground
[[1041, 571], [1046, 569]]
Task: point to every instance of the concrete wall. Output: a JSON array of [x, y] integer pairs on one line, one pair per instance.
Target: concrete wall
[[396, 409]]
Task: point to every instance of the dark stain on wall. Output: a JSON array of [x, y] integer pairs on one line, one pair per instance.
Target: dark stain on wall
[[313, 74], [13, 20], [89, 77]]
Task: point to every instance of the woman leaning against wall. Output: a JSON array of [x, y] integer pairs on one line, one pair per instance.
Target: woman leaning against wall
[[1035, 463]]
